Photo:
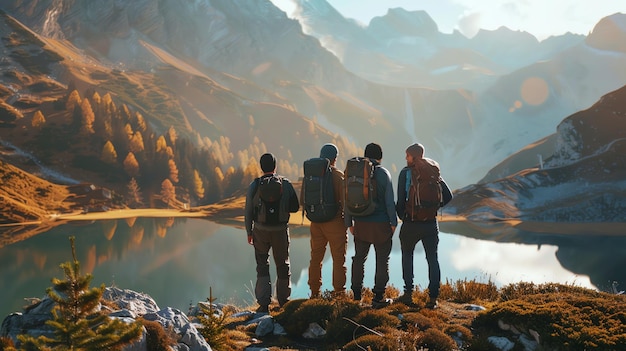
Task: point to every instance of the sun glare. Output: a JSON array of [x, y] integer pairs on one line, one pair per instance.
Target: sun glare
[[535, 91]]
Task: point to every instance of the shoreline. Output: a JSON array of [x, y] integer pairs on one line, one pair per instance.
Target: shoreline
[[228, 215]]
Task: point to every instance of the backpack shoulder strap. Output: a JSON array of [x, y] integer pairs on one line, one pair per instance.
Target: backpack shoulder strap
[[407, 183]]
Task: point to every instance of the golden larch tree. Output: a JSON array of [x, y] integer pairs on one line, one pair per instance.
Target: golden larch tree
[[128, 129], [97, 100], [198, 187], [88, 117], [173, 171], [141, 122], [109, 155], [73, 100], [219, 175], [134, 194], [161, 144], [136, 143], [38, 119], [171, 133], [131, 166], [168, 192], [108, 104]]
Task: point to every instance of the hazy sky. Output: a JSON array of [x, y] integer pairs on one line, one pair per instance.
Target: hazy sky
[[542, 18]]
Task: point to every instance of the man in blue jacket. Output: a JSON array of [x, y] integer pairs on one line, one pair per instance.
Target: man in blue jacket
[[374, 229], [416, 228]]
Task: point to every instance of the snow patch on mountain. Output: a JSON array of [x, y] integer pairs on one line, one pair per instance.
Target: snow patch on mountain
[[568, 145]]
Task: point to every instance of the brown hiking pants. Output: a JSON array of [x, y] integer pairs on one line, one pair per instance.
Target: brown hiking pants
[[334, 234]]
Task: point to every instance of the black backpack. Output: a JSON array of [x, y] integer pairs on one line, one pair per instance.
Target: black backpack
[[267, 200], [360, 187], [318, 197]]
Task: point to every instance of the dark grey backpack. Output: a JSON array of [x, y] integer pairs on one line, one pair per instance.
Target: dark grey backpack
[[318, 192]]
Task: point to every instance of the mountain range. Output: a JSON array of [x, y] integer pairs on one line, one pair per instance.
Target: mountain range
[[239, 78]]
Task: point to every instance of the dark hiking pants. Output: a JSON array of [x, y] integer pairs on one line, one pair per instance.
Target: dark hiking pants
[[366, 234], [278, 241], [410, 234]]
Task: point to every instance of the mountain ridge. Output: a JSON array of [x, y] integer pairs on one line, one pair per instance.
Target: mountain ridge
[[232, 104], [582, 180]]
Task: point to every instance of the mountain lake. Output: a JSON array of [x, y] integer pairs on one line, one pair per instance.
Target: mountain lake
[[177, 260]]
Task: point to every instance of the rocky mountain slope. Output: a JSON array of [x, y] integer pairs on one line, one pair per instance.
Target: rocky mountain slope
[[582, 180], [215, 71], [518, 88]]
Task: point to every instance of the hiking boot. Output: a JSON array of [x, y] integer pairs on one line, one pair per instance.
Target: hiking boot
[[406, 299], [356, 295], [381, 303], [263, 309], [432, 304]]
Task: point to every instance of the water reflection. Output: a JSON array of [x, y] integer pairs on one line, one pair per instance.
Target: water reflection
[[600, 257], [177, 260]]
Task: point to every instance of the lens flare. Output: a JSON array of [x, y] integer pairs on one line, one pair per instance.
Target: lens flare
[[535, 91]]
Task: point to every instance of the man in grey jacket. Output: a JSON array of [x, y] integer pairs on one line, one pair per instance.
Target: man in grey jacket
[[267, 228]]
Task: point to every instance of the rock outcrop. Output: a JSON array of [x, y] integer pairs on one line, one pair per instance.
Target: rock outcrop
[[130, 306]]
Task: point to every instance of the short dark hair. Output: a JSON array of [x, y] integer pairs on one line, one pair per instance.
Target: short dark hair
[[268, 162], [373, 151]]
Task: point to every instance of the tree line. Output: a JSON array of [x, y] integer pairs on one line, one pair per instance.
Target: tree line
[[116, 142]]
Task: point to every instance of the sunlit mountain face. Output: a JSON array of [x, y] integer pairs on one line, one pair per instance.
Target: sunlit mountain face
[[239, 78]]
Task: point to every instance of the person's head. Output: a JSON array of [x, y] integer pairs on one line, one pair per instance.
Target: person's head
[[268, 163], [373, 151], [330, 152], [414, 152]]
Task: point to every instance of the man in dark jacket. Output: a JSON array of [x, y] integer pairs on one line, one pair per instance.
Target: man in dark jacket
[[374, 229], [270, 229], [415, 229]]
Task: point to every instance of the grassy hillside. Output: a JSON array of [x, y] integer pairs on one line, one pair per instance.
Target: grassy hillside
[[25, 197]]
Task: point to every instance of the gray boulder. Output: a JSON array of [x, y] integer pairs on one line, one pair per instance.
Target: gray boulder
[[130, 306]]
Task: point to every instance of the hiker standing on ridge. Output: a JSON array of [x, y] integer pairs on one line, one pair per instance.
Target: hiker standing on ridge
[[326, 228], [421, 192], [269, 201], [375, 229]]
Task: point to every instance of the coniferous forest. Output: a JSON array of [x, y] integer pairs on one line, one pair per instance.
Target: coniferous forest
[[99, 137]]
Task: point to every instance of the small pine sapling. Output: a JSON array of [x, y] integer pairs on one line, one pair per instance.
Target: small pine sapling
[[213, 324], [76, 322]]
